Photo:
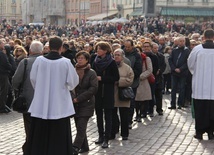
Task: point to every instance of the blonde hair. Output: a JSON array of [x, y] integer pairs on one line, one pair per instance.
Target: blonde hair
[[24, 53]]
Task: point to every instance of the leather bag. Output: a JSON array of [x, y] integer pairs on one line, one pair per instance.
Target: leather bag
[[125, 93]]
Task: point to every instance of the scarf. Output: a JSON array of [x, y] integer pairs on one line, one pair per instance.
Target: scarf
[[81, 70], [101, 64]]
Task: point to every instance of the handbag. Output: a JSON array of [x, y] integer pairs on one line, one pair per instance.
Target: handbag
[[125, 93], [20, 104], [151, 77]]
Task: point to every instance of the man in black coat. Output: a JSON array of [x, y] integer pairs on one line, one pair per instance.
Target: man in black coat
[[66, 52], [159, 79], [5, 68], [147, 48], [179, 69], [136, 64]]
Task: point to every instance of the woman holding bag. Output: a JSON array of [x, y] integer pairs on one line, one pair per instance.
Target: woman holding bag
[[143, 95], [126, 78]]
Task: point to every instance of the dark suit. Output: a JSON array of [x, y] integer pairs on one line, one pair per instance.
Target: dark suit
[[178, 59], [5, 68], [159, 82]]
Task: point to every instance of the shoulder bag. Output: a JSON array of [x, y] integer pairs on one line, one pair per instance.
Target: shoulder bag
[[125, 93], [151, 77]]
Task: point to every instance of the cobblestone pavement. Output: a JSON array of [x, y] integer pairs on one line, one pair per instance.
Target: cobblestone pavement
[[169, 134]]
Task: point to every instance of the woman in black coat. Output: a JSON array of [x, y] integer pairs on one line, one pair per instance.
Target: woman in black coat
[[107, 75], [84, 100]]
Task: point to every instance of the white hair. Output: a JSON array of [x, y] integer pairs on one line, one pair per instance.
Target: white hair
[[36, 47], [121, 52]]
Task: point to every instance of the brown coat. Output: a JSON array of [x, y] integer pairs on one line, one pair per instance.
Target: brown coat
[[144, 91], [85, 92], [126, 79]]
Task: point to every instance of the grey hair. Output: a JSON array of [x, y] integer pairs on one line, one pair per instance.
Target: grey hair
[[121, 52], [36, 47], [117, 45]]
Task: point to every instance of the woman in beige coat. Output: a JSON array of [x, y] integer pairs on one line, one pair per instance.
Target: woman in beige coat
[[126, 78], [143, 94]]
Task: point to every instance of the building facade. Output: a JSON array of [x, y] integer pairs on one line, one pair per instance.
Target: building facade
[[10, 11], [77, 11], [47, 11], [186, 10]]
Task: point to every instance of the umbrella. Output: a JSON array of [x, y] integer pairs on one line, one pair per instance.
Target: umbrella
[[114, 20], [122, 20]]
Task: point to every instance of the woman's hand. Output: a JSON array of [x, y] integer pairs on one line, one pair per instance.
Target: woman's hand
[[75, 100]]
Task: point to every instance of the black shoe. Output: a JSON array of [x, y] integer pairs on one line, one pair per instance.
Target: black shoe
[[83, 150], [172, 107], [124, 138], [130, 126], [143, 116], [210, 135], [198, 136], [151, 115], [5, 111], [112, 137], [160, 113], [100, 140], [179, 107], [75, 150], [138, 119], [167, 92], [105, 144]]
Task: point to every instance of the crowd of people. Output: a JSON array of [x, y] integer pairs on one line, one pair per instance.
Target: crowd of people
[[75, 75]]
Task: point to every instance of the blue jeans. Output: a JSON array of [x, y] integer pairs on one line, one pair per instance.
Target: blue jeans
[[178, 82]]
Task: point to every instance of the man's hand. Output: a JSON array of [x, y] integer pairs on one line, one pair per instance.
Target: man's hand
[[99, 78], [177, 70]]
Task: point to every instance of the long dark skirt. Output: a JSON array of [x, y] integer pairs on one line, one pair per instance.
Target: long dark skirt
[[204, 115], [50, 137]]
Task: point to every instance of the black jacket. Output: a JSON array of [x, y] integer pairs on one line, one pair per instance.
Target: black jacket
[[68, 54], [105, 94], [5, 66], [136, 65], [162, 66], [155, 64], [178, 59]]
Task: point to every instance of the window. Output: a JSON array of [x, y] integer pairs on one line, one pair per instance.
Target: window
[[13, 1], [13, 10]]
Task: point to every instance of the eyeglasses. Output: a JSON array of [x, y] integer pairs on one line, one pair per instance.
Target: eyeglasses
[[146, 46], [80, 58], [117, 55]]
